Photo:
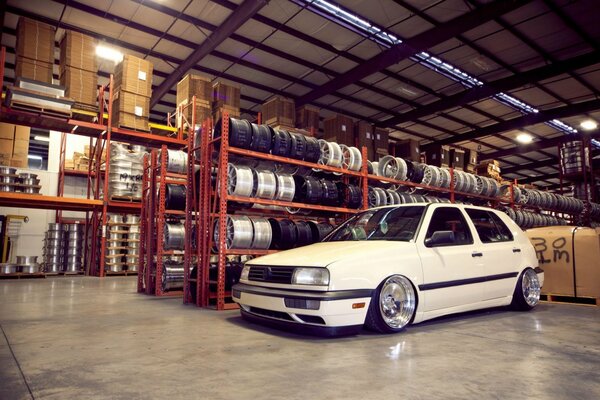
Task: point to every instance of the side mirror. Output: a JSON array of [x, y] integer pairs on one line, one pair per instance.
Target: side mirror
[[440, 238]]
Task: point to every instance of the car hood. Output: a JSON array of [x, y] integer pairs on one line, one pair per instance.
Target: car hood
[[326, 253]]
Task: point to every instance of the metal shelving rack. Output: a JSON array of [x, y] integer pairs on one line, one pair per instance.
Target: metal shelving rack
[[154, 215], [212, 204]]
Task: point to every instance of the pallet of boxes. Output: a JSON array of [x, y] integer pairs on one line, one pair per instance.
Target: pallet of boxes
[[226, 97], [194, 85], [279, 112], [14, 145], [489, 168], [78, 70], [308, 119], [35, 50], [131, 94]]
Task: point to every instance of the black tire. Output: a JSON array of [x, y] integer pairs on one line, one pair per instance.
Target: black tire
[[526, 299], [376, 320]]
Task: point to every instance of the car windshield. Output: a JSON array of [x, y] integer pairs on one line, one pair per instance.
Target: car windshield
[[390, 223]]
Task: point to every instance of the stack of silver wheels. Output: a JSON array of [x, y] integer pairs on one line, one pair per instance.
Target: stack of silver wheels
[[125, 172], [54, 245], [29, 183], [74, 248], [527, 219], [8, 179], [133, 242], [116, 243], [28, 264]]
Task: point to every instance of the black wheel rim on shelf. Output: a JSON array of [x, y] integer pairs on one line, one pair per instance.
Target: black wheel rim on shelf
[[331, 195], [308, 190], [304, 235], [354, 198], [313, 149], [240, 132], [261, 138], [174, 197], [282, 143], [284, 234], [298, 145]]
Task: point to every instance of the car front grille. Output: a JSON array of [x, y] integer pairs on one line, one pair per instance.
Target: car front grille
[[271, 274]]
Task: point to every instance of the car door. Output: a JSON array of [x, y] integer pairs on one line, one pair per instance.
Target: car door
[[450, 268], [500, 253]]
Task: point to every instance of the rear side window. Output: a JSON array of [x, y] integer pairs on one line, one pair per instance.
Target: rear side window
[[489, 226], [450, 219]]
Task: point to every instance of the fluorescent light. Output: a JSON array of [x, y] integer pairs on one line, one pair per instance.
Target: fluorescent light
[[41, 138], [34, 157], [524, 138], [588, 125], [109, 53]]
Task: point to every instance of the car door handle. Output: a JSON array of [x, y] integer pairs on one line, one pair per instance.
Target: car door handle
[[476, 254], [515, 250]]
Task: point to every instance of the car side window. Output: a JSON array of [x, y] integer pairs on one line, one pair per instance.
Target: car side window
[[489, 226], [450, 219]]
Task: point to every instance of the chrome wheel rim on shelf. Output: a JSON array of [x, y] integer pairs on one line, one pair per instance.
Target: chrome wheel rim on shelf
[[331, 154], [240, 180], [238, 232], [174, 236], [27, 260], [176, 161], [393, 197], [286, 187], [265, 184], [352, 158], [377, 197], [262, 233], [393, 167]]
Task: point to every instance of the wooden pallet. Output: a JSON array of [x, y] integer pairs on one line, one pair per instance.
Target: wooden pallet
[[556, 298], [34, 108], [71, 273], [21, 275], [129, 199], [122, 126], [120, 273]]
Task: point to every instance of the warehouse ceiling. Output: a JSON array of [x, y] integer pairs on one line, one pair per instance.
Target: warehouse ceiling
[[470, 73]]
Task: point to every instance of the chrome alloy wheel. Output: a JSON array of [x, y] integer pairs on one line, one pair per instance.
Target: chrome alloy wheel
[[530, 285], [397, 302]]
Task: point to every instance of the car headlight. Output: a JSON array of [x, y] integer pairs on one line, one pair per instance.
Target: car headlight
[[245, 272], [311, 276]]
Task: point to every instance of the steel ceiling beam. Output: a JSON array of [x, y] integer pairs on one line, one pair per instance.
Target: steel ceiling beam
[[500, 85], [531, 179], [412, 46], [549, 162], [525, 120], [243, 13]]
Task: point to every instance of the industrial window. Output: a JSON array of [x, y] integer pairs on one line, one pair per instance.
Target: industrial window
[[489, 226]]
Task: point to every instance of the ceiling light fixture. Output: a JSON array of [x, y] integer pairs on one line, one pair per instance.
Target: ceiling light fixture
[[109, 53], [41, 138], [588, 125], [524, 138]]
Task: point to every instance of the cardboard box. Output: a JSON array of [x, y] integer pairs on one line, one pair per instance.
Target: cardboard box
[[22, 132], [382, 141], [408, 149], [7, 131], [307, 117], [457, 159], [438, 156], [20, 151], [587, 266], [80, 85], [35, 40], [279, 110], [470, 158], [33, 69], [202, 114], [130, 121], [134, 75], [226, 94], [130, 110], [233, 112], [78, 51], [6, 148], [364, 137], [194, 85], [339, 129]]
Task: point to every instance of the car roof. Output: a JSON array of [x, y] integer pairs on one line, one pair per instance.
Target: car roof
[[428, 204]]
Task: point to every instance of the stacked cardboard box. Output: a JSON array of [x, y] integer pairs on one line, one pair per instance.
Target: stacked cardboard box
[[408, 149], [80, 160], [35, 50], [470, 160], [307, 117], [78, 68], [226, 97], [457, 159], [131, 96], [279, 111], [489, 168], [363, 132], [339, 129], [382, 142], [194, 85], [14, 145], [438, 156]]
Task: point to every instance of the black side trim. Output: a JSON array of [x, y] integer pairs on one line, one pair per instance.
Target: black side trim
[[315, 330], [538, 270], [460, 282], [289, 294]]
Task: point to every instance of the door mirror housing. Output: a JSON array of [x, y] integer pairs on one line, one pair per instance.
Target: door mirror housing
[[440, 238]]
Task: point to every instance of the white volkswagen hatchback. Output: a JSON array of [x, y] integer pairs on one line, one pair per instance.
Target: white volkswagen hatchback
[[388, 267]]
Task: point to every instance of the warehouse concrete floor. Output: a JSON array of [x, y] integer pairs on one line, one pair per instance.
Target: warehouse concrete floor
[[74, 338]]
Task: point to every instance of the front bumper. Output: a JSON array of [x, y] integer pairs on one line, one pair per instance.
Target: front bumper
[[335, 314]]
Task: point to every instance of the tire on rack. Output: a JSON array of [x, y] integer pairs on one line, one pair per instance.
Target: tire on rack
[[527, 291], [393, 305], [262, 137], [240, 133], [284, 234]]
